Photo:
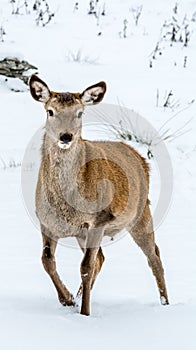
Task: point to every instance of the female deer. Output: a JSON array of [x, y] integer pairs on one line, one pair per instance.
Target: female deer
[[88, 189]]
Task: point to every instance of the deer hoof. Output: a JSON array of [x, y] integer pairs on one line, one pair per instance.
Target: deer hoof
[[67, 301]]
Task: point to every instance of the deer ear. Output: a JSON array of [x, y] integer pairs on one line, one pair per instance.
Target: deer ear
[[39, 90], [93, 94]]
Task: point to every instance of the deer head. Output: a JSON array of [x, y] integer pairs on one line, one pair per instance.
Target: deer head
[[64, 110]]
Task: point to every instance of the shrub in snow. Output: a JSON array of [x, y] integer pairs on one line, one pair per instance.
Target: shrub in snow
[[43, 13], [177, 30], [41, 8], [174, 31], [125, 130], [93, 7], [9, 163], [97, 10], [79, 57], [19, 7]]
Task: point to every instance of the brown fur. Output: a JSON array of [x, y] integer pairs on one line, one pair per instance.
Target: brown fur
[[90, 190]]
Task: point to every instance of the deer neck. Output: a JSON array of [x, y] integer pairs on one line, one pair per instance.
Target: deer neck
[[65, 163]]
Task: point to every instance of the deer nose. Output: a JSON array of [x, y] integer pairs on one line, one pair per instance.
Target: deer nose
[[65, 138]]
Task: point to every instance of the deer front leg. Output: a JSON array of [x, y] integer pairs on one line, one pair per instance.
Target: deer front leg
[[48, 260], [98, 265], [87, 272], [88, 267]]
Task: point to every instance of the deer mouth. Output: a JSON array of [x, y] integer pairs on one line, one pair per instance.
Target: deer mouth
[[65, 141], [64, 145]]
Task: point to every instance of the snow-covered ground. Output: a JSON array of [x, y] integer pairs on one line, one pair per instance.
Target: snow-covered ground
[[125, 306]]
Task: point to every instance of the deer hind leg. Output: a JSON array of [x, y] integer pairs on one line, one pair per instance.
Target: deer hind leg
[[48, 260], [143, 235]]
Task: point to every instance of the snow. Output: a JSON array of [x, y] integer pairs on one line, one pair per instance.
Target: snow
[[125, 307]]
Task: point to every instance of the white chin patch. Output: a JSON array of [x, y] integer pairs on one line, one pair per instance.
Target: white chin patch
[[64, 145]]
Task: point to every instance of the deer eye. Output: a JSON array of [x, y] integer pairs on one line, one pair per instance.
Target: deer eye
[[80, 114], [50, 112]]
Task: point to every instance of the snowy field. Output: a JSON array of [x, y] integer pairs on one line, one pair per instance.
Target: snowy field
[[73, 51]]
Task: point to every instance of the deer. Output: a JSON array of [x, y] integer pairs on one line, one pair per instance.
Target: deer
[[88, 190]]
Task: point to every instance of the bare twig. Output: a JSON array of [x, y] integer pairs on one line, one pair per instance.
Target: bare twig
[[2, 33], [125, 22], [168, 99], [136, 12]]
